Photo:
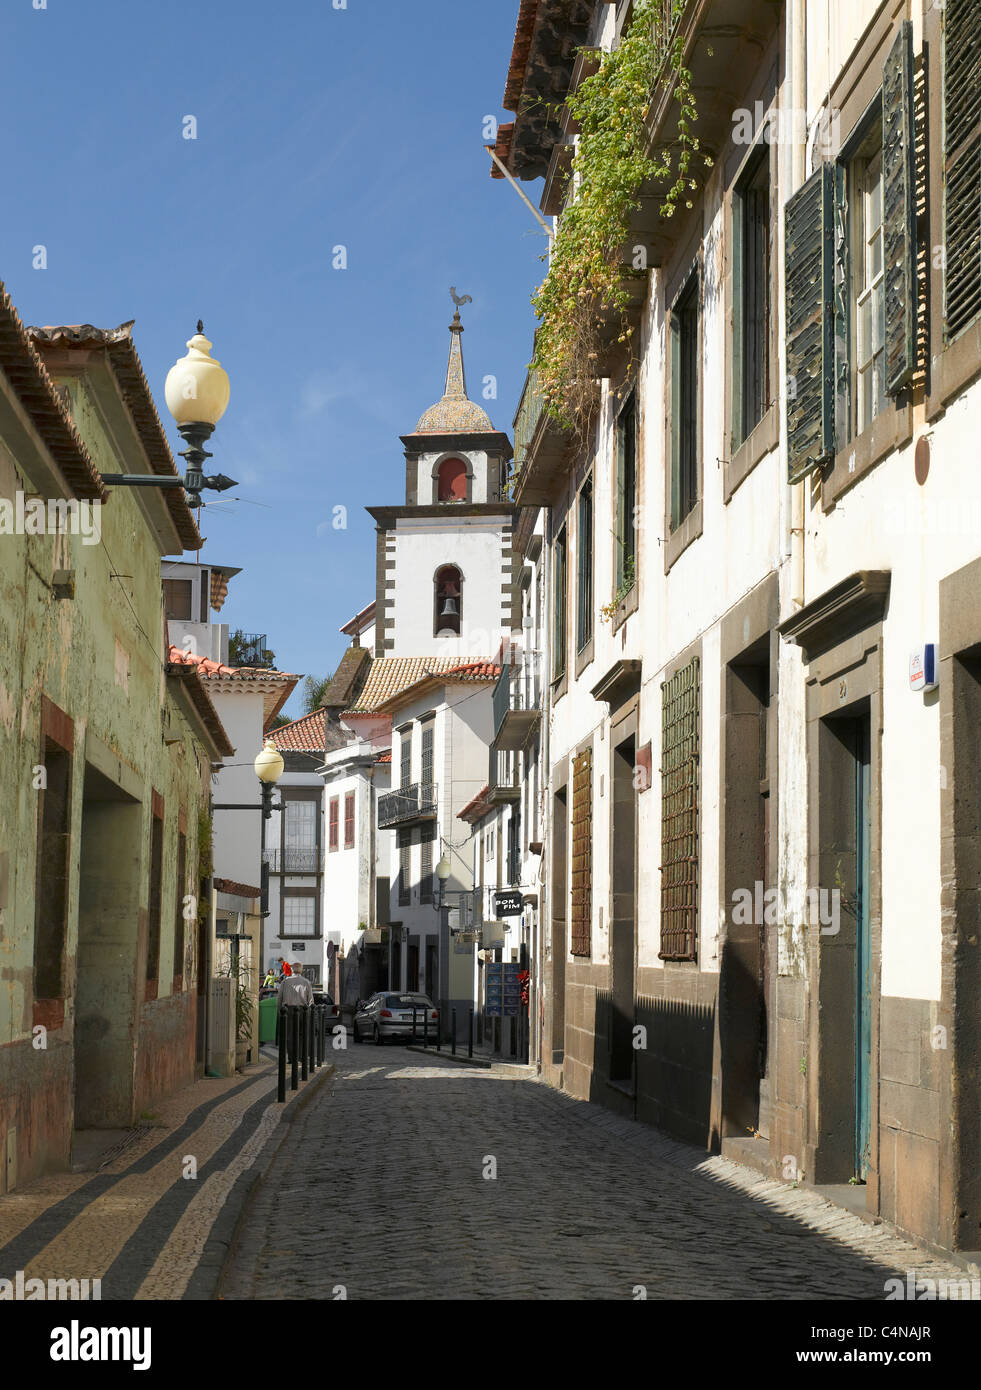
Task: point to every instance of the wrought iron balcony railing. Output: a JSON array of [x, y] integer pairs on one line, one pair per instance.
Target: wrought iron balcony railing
[[517, 700], [293, 861], [405, 804]]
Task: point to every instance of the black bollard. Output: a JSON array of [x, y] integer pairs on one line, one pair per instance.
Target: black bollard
[[453, 1031], [425, 1027], [292, 1027], [301, 1038], [414, 1024], [281, 1035], [470, 1037]]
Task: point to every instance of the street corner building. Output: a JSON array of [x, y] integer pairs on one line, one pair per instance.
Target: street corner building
[[762, 589], [106, 749]]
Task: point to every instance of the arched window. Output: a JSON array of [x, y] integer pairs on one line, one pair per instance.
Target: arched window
[[448, 604], [451, 481]]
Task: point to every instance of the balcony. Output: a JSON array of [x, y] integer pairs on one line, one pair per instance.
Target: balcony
[[503, 781], [517, 702], [306, 860], [541, 448], [249, 649], [406, 805]]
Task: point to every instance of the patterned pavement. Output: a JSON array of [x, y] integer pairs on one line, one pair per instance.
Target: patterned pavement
[[421, 1179], [149, 1224]]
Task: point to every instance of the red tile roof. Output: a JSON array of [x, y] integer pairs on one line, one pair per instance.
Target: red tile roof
[[38, 394], [311, 733], [276, 686], [393, 676], [124, 361], [384, 758], [476, 808], [238, 890]]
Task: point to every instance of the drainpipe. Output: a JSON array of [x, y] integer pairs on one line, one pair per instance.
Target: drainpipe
[[795, 168]]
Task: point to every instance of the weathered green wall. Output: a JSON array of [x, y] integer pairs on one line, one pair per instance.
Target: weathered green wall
[[99, 658]]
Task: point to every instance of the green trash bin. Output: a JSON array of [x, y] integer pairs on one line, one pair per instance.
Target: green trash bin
[[267, 1018]]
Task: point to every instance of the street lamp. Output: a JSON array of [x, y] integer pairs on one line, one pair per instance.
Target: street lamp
[[197, 393], [443, 870], [268, 768]]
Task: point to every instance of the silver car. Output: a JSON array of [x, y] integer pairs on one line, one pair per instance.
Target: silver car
[[389, 1015]]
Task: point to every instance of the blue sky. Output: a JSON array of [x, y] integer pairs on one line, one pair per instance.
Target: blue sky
[[316, 127]]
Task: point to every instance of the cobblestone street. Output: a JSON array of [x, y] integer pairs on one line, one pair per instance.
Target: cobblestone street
[[386, 1190]]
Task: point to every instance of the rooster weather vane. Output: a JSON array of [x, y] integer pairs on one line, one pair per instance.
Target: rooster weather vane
[[459, 299]]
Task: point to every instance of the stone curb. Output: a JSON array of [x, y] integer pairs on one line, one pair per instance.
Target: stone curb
[[221, 1245]]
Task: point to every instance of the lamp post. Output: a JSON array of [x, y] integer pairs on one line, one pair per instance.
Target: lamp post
[[443, 870], [268, 768], [196, 391]]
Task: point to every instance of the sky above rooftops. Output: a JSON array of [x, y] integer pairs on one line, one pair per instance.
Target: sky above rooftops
[[316, 128]]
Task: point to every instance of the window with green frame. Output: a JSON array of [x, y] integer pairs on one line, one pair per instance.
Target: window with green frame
[[626, 515], [559, 598], [584, 565], [683, 346], [751, 295]]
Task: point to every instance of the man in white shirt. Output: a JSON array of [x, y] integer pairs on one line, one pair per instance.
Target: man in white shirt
[[295, 989]]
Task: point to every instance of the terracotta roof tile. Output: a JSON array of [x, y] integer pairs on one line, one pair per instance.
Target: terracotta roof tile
[[238, 890], [127, 368], [476, 808], [39, 396], [390, 676], [311, 733]]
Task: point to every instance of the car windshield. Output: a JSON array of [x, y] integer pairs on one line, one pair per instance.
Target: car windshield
[[407, 1001]]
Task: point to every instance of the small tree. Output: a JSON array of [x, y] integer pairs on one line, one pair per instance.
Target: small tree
[[314, 692]]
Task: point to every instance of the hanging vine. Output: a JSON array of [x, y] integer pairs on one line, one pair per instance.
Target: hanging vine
[[613, 161]]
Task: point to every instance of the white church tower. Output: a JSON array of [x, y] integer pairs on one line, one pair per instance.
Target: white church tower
[[444, 576]]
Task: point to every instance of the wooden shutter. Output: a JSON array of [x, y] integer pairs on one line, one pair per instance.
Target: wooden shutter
[[898, 212], [582, 853], [809, 279], [962, 164], [679, 814], [349, 820], [332, 823]]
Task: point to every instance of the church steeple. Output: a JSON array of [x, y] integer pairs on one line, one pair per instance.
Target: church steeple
[[455, 413]]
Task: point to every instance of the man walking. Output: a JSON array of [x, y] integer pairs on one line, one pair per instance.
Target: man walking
[[295, 989]]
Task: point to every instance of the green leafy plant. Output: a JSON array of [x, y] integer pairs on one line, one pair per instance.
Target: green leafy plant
[[609, 610], [614, 160]]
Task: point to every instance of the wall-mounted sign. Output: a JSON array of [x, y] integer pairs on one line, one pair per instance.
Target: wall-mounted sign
[[923, 667], [507, 904]]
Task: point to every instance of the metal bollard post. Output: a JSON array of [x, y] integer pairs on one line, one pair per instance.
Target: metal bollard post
[[470, 1037], [425, 1027], [439, 1031], [310, 1038], [301, 1038], [414, 1024], [293, 1032], [453, 1031], [281, 1033]]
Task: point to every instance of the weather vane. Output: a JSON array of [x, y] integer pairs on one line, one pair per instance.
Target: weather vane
[[460, 299]]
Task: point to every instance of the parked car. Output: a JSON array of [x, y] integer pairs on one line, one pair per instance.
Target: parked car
[[325, 1001], [387, 1015]]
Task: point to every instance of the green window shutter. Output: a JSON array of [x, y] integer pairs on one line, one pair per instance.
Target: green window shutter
[[962, 164], [898, 213], [674, 351], [809, 280]]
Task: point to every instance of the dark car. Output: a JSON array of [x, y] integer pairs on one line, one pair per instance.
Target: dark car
[[390, 1015]]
